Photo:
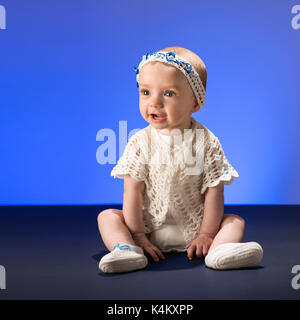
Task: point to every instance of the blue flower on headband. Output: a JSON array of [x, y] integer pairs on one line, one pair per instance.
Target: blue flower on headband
[[172, 54]]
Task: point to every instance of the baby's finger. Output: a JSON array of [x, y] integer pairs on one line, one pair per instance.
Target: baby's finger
[[205, 250], [199, 251], [159, 252], [190, 251], [152, 254]]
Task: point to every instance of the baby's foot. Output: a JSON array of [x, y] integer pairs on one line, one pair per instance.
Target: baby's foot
[[234, 255], [123, 258]]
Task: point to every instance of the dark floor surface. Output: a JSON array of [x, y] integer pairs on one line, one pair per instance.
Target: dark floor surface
[[52, 252]]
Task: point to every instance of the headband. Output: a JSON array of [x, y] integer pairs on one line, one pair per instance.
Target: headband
[[184, 66]]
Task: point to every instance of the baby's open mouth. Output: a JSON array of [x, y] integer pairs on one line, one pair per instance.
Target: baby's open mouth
[[158, 116]]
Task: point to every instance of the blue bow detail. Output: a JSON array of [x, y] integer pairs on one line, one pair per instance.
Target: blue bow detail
[[122, 247]]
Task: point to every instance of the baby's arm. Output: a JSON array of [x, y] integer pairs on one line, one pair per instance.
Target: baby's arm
[[213, 210], [132, 211], [212, 217], [132, 204]]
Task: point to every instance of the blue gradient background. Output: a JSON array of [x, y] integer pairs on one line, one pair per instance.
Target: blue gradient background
[[66, 72]]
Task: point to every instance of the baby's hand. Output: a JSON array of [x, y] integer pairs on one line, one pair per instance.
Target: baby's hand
[[142, 241], [202, 244]]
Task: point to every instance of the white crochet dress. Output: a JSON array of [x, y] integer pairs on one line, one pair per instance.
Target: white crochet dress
[[172, 193]]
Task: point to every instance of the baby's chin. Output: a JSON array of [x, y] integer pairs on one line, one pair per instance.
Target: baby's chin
[[166, 129]]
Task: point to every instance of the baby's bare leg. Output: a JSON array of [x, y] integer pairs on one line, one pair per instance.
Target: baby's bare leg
[[227, 250], [113, 229], [231, 230]]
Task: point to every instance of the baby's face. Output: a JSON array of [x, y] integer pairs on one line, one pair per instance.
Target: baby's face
[[165, 91]]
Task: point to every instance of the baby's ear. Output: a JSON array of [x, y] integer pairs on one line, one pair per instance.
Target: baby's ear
[[196, 104], [197, 108]]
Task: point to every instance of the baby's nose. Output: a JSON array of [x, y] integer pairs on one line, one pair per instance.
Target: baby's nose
[[156, 102], [156, 105]]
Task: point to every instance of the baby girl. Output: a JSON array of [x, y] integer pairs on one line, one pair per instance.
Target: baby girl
[[170, 204]]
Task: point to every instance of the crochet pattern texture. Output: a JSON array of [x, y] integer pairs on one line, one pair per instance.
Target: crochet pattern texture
[[168, 186]]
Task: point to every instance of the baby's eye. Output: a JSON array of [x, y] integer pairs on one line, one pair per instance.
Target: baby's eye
[[143, 91], [171, 92]]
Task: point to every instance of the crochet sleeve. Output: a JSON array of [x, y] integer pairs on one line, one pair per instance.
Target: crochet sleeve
[[216, 166], [132, 162]]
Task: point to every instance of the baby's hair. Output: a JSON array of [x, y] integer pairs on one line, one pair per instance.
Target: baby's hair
[[193, 59]]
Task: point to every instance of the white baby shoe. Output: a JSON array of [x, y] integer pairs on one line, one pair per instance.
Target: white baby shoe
[[234, 255], [123, 258]]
